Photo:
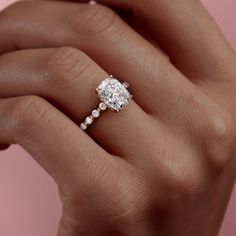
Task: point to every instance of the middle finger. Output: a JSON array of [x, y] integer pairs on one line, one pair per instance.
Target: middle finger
[[68, 78], [102, 35]]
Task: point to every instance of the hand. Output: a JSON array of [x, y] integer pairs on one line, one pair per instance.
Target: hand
[[163, 166]]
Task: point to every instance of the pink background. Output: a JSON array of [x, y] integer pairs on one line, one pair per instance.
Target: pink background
[[29, 202]]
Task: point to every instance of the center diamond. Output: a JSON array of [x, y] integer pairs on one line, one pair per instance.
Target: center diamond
[[114, 94]]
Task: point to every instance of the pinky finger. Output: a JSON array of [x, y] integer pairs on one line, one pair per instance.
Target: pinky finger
[[54, 141]]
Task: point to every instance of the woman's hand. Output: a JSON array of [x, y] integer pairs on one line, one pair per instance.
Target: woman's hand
[[163, 166]]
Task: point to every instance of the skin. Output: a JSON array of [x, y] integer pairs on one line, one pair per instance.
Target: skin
[[163, 166]]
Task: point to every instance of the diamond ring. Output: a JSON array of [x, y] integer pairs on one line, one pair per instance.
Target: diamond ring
[[113, 94]]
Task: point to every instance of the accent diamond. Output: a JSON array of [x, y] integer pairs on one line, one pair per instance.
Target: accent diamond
[[88, 120], [102, 106], [113, 94], [95, 113], [83, 126]]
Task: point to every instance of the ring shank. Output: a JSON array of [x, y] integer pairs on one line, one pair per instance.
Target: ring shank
[[94, 115]]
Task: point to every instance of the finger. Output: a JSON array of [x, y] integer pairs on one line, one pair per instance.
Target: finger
[[55, 142], [102, 35], [67, 77], [186, 31]]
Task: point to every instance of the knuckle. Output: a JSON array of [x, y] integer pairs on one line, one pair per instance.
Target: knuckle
[[25, 114], [219, 127], [179, 186], [219, 138], [214, 125], [97, 20], [64, 66]]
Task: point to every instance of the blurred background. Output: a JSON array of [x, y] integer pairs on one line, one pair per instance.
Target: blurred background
[[29, 202]]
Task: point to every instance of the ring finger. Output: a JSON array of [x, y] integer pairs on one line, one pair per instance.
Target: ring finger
[[68, 78]]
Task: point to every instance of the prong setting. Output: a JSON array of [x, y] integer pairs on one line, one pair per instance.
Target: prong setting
[[113, 95], [126, 85]]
